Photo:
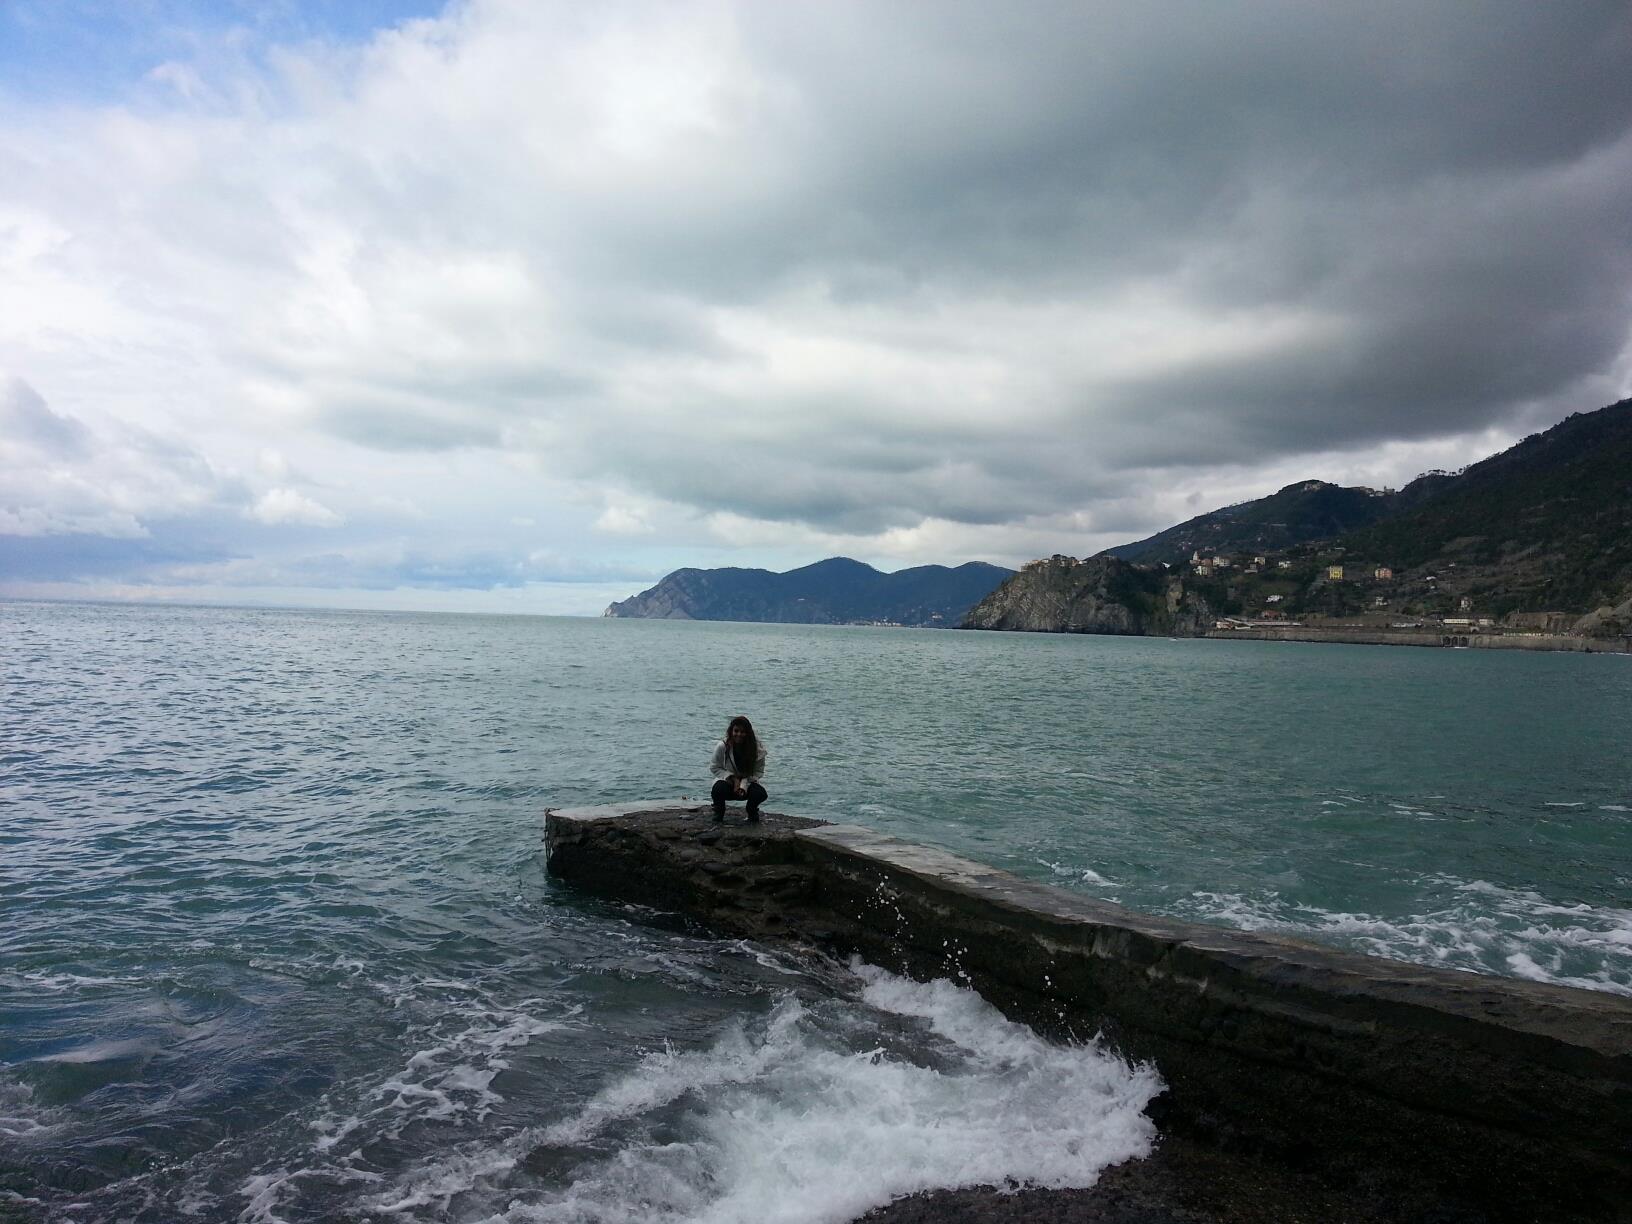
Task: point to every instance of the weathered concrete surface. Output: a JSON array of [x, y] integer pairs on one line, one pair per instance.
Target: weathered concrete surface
[[1403, 1087], [744, 879]]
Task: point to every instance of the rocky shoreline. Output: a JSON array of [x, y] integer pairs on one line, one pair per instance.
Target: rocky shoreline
[[1448, 637]]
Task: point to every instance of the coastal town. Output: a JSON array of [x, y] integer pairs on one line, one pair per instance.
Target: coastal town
[[1328, 593]]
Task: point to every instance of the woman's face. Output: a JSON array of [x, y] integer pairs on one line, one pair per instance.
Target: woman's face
[[737, 733]]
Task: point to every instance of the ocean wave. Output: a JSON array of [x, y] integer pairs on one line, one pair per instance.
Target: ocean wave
[[21, 1116], [785, 1120], [1080, 875], [1481, 927]]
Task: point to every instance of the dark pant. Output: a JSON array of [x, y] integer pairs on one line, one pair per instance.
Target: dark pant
[[723, 793]]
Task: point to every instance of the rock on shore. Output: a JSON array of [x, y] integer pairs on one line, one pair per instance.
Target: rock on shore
[[1101, 594]]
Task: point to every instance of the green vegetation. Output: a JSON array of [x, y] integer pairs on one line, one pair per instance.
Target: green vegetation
[[1545, 526]]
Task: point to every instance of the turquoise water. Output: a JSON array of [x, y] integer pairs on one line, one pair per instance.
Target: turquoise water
[[276, 941]]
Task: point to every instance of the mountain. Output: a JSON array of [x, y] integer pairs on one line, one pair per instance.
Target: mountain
[[833, 592], [1544, 525], [1297, 514]]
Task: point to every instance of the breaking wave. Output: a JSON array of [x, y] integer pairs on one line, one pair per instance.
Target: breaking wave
[[813, 1114]]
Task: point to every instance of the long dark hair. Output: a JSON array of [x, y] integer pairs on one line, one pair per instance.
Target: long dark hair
[[749, 746]]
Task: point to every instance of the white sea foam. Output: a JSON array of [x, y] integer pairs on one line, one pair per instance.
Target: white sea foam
[[59, 982], [21, 1117], [262, 1192], [766, 959], [1498, 930], [102, 1051], [1083, 875], [448, 1081], [454, 1076], [780, 1122]]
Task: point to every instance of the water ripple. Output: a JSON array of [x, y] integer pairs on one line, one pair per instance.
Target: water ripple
[[275, 931]]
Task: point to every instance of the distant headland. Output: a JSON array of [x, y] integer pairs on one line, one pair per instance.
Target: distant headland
[[837, 591]]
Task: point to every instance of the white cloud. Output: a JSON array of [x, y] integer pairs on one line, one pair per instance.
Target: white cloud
[[279, 507], [623, 520]]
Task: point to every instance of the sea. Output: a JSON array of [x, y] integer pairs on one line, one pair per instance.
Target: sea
[[278, 942]]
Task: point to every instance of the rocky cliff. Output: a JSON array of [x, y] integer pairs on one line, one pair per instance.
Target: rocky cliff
[[1101, 594]]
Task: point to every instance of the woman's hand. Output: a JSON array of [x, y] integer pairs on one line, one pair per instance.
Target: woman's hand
[[738, 790]]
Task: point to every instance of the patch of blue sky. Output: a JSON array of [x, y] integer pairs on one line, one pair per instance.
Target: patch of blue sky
[[99, 51]]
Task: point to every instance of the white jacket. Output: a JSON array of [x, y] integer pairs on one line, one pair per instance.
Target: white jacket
[[723, 766]]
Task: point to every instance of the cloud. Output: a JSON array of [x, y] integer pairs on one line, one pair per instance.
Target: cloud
[[28, 423], [37, 521], [927, 283], [280, 506], [113, 507], [623, 520], [59, 476]]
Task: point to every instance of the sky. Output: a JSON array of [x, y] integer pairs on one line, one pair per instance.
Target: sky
[[516, 306]]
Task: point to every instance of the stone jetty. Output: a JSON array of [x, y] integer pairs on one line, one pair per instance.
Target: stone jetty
[[1303, 1082]]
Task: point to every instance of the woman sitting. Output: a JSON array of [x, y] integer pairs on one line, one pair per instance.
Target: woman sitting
[[738, 764]]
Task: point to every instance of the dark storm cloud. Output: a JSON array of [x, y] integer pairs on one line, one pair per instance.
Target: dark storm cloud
[[1434, 197], [1070, 142]]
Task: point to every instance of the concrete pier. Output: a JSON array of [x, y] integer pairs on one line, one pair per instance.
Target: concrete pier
[[1412, 1093]]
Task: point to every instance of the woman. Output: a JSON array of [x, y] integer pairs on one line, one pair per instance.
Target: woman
[[739, 761]]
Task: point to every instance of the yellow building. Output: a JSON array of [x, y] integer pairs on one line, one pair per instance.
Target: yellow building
[[1335, 573]]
